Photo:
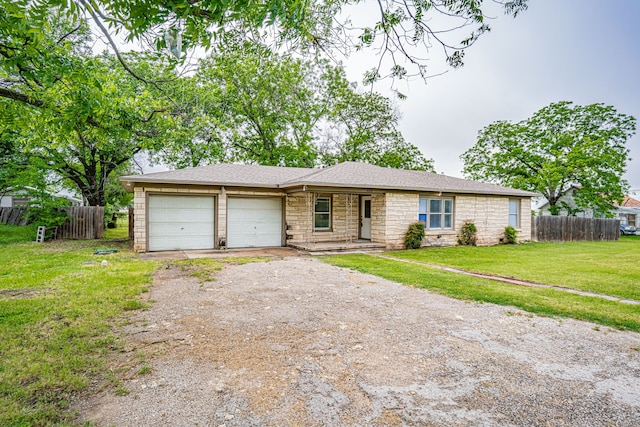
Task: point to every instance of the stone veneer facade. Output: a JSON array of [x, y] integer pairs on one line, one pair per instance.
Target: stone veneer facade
[[391, 214], [345, 218]]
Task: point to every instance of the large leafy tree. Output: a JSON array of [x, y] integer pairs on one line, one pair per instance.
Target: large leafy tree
[[16, 169], [560, 146], [79, 115], [364, 127], [249, 104]]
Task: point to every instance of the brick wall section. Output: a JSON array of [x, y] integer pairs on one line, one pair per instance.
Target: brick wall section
[[393, 212], [491, 216], [378, 218], [140, 220], [345, 221], [401, 209], [221, 219]]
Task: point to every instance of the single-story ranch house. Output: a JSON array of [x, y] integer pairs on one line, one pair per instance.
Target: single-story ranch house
[[348, 205]]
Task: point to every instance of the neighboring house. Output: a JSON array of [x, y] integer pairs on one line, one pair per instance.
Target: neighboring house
[[14, 200], [565, 200], [20, 198], [338, 207], [628, 212]]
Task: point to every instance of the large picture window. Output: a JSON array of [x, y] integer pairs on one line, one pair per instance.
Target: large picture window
[[436, 213], [322, 213], [514, 213]]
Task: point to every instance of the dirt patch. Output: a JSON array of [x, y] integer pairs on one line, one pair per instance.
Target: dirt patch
[[22, 293], [300, 343]]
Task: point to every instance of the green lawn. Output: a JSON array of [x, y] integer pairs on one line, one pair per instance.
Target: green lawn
[[12, 234], [611, 268], [58, 307], [121, 231]]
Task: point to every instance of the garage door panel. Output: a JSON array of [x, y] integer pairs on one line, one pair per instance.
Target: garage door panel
[[180, 222], [254, 222], [180, 215]]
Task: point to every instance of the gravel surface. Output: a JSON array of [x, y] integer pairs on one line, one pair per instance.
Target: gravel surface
[[296, 342]]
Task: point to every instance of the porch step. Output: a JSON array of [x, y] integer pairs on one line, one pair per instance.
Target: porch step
[[320, 248]]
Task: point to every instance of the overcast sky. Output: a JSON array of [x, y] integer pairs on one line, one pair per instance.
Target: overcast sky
[[585, 51]]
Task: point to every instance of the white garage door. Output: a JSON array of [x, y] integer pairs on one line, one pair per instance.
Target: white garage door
[[180, 222], [254, 222]]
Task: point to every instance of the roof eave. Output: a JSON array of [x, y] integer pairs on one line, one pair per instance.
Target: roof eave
[[135, 179], [516, 193]]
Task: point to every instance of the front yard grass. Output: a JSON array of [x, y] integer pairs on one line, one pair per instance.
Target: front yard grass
[[12, 234], [58, 308], [516, 261], [59, 312], [611, 268]]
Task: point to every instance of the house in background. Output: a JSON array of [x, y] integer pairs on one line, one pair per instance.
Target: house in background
[[21, 198], [628, 212], [349, 205], [14, 199], [570, 208]]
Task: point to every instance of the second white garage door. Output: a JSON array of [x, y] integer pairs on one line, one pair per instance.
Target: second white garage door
[[254, 222]]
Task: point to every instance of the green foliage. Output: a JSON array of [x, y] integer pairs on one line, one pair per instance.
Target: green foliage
[[364, 127], [510, 235], [76, 115], [46, 209], [402, 34], [561, 146], [248, 104], [468, 235], [57, 311], [414, 236], [544, 301]]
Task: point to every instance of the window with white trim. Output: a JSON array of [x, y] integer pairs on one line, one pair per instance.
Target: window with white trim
[[514, 213], [322, 213], [436, 213]]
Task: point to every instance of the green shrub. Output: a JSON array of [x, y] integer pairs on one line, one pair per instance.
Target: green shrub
[[510, 235], [414, 236], [45, 209], [468, 234]]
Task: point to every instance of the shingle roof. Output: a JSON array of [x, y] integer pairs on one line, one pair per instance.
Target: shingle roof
[[630, 202], [224, 174], [343, 175], [362, 175]]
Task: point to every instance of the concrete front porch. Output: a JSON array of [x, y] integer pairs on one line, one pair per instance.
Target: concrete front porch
[[337, 246]]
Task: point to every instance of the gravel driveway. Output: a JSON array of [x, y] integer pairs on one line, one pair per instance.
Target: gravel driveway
[[296, 342]]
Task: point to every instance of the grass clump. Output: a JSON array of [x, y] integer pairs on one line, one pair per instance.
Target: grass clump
[[17, 234]]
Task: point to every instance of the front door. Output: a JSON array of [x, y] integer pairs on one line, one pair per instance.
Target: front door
[[365, 217]]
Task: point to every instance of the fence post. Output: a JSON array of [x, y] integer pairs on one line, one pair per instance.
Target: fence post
[[131, 223]]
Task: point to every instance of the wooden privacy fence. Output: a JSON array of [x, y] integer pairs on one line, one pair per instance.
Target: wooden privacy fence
[[85, 222], [13, 216], [573, 229]]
